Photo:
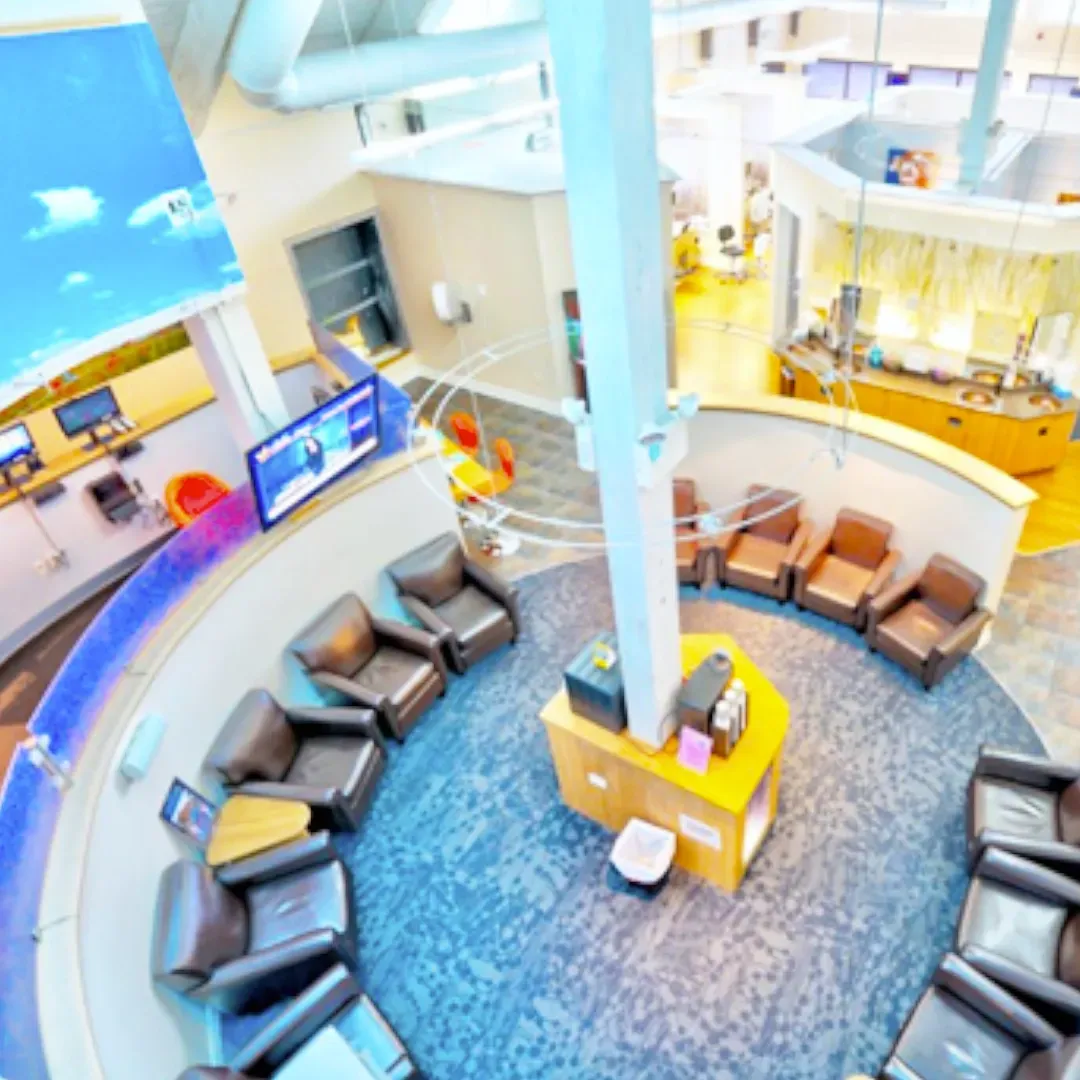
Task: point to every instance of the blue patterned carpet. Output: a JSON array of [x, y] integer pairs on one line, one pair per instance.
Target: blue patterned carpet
[[491, 943]]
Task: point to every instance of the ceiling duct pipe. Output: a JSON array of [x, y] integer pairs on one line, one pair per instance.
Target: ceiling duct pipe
[[267, 64]]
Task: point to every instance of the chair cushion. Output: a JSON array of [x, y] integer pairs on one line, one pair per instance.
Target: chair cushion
[[198, 924], [779, 527], [1013, 924], [839, 582], [341, 640], [397, 673], [950, 589], [432, 573], [1069, 814], [287, 907], [685, 497], [1013, 809], [860, 538], [758, 556], [472, 615], [946, 1039], [256, 743], [914, 630], [336, 762], [1060, 1062], [1068, 970]]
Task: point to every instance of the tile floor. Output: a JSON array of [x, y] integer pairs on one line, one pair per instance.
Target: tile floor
[[1035, 649]]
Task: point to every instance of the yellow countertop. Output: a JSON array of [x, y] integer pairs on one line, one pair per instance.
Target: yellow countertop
[[1011, 405], [729, 783], [976, 471]]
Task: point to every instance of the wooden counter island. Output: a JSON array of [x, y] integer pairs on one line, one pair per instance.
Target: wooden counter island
[[1019, 431]]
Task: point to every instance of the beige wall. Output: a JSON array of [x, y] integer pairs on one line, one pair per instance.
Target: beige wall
[[511, 258], [276, 177], [485, 243]]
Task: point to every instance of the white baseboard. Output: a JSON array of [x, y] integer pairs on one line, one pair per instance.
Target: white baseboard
[[408, 368]]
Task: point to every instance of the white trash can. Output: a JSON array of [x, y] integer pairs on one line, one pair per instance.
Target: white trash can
[[643, 852]]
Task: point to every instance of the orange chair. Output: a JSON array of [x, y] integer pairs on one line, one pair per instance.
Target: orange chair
[[190, 494], [466, 432], [505, 476]]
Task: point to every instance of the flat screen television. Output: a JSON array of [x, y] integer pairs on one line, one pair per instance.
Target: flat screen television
[[87, 412], [299, 461], [16, 443]]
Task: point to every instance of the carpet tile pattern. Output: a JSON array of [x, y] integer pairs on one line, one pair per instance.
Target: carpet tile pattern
[[491, 943]]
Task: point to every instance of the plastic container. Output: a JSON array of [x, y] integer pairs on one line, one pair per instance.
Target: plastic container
[[643, 853]]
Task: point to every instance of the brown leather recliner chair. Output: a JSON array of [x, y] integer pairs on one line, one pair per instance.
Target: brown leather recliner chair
[[472, 610], [693, 549], [336, 999], [395, 669], [929, 621], [1027, 805], [1020, 926], [330, 759], [965, 1025], [760, 556], [843, 568], [256, 931]]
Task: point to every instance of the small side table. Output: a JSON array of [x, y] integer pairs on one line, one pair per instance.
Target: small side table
[[250, 824]]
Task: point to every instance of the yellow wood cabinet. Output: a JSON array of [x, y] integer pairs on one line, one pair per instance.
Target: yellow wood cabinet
[[871, 399], [1041, 444]]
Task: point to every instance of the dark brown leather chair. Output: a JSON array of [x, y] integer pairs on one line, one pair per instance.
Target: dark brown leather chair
[[965, 1026], [844, 567], [1027, 805], [1020, 926], [330, 759], [335, 998], [930, 620], [472, 610], [760, 556], [693, 549], [395, 669], [256, 931]]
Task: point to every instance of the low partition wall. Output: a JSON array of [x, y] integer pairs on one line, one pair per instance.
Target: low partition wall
[[100, 1013], [937, 497]]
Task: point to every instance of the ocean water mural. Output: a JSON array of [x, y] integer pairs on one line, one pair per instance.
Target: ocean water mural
[[107, 222]]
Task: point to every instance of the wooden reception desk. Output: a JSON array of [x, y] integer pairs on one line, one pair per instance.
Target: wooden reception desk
[[720, 818]]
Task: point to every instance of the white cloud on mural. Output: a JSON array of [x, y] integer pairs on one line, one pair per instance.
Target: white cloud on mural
[[182, 214], [104, 294], [75, 279], [65, 209]]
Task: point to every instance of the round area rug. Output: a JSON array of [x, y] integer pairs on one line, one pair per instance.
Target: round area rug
[[489, 938]]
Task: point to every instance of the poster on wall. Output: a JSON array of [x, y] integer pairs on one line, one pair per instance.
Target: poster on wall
[[109, 226], [576, 340], [911, 168]]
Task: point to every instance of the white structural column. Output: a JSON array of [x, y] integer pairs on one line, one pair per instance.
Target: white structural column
[[603, 71], [235, 363], [984, 102], [725, 172]]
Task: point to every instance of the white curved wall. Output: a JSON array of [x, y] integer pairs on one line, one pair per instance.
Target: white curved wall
[[111, 846], [932, 507]]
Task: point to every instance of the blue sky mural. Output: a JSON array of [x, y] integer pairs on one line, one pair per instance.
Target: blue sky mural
[[106, 217]]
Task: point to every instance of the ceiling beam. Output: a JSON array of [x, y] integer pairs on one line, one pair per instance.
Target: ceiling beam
[[198, 62]]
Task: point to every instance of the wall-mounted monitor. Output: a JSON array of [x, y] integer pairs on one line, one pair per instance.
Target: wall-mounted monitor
[[16, 444], [300, 460], [87, 412]]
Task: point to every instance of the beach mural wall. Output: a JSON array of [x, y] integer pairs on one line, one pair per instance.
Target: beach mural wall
[[108, 224]]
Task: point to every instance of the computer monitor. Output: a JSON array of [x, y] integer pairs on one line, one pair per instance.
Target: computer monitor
[[85, 413], [16, 444], [300, 460]]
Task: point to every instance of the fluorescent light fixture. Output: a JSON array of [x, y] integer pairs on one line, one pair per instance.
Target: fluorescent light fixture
[[412, 144]]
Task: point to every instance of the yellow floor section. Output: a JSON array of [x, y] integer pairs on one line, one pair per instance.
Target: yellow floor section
[[711, 359], [1054, 520]]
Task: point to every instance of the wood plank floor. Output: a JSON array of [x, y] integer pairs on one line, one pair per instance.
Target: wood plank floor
[[1054, 520]]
